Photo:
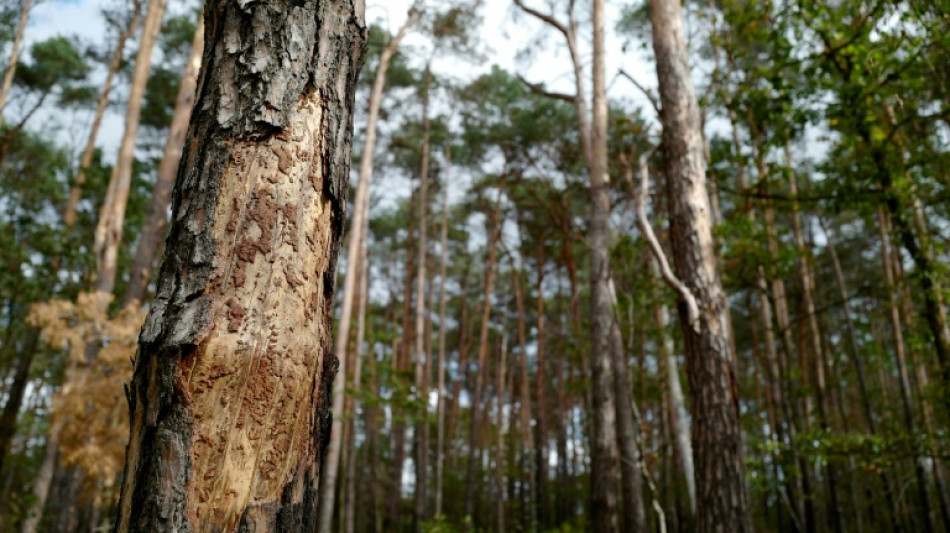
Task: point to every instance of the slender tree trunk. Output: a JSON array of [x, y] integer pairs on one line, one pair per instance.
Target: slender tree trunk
[[11, 409], [678, 412], [500, 396], [722, 498], [808, 293], [541, 511], [25, 6], [230, 399], [43, 480], [75, 191], [422, 355], [349, 521], [494, 232], [604, 424], [360, 213], [628, 436], [440, 367], [528, 484], [108, 236], [154, 229]]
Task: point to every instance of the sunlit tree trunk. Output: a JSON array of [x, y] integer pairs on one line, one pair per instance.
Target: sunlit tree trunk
[[721, 494], [155, 220], [108, 235], [230, 399], [85, 161], [25, 6]]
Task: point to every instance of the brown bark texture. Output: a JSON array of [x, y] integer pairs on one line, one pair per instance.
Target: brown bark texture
[[722, 497], [230, 397]]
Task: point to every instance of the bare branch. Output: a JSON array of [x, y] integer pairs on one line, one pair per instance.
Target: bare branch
[[646, 92], [539, 90], [547, 19], [647, 231]]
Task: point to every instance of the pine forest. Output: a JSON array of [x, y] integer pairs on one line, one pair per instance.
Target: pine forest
[[423, 266]]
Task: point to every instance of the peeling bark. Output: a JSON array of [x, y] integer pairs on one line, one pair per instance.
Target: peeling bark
[[230, 402]]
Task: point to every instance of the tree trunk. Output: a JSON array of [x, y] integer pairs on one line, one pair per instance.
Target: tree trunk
[[422, 355], [628, 436], [678, 412], [494, 233], [500, 435], [11, 409], [349, 521], [230, 397], [604, 422], [108, 236], [43, 480], [75, 191], [541, 511], [154, 229], [814, 335], [360, 212], [25, 7], [440, 366], [722, 498]]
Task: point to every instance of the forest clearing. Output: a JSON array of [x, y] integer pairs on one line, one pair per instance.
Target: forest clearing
[[433, 266]]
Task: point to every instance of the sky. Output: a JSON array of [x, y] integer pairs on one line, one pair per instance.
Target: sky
[[505, 34]]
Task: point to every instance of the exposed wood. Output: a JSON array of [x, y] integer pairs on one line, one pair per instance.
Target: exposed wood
[[230, 402]]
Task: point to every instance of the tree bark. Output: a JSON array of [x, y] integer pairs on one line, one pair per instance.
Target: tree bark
[[230, 398], [75, 191], [108, 235], [25, 7], [155, 220], [722, 498]]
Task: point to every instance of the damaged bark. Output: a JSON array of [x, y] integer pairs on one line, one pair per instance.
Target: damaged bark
[[230, 398]]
